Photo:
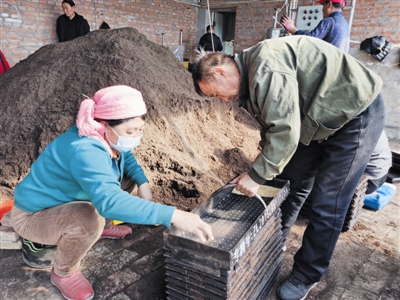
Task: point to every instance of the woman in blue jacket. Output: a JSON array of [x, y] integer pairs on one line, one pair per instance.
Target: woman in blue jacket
[[74, 187]]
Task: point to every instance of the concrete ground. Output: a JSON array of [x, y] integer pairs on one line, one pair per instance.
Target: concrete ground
[[365, 265], [366, 261]]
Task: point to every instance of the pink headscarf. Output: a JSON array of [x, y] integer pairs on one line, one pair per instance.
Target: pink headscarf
[[111, 103]]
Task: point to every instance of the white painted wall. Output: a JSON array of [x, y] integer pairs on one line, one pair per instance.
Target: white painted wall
[[389, 70]]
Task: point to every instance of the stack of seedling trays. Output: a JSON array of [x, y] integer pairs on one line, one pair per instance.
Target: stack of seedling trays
[[245, 258], [357, 202], [356, 205]]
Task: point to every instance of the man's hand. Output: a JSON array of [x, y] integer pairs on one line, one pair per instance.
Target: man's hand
[[288, 24], [246, 185], [192, 223]]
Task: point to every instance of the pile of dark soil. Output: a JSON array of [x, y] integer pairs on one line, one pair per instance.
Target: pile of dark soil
[[191, 147]]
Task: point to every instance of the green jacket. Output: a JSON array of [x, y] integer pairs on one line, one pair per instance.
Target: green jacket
[[300, 89]]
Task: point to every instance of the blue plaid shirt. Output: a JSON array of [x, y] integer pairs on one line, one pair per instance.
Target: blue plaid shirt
[[334, 29]]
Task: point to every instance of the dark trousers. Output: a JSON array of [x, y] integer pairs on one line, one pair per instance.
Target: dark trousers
[[328, 173]]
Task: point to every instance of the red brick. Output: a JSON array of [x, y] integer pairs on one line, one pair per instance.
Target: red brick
[[153, 17]]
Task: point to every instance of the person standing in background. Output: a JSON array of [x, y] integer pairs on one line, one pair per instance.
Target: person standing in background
[[4, 66], [104, 25], [210, 41], [333, 28], [70, 25], [378, 165]]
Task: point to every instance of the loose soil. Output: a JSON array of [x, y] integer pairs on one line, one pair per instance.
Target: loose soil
[[192, 145]]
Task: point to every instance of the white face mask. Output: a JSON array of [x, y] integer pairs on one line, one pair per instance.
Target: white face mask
[[125, 144]]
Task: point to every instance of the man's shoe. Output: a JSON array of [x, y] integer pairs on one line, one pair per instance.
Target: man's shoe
[[38, 256], [74, 287], [294, 289], [116, 232]]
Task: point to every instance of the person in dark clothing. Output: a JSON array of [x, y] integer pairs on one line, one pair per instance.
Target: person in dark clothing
[[333, 29], [70, 25], [104, 25], [206, 42], [378, 165], [299, 89], [4, 66]]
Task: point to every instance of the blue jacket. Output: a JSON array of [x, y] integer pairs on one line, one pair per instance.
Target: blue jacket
[[333, 29], [74, 168]]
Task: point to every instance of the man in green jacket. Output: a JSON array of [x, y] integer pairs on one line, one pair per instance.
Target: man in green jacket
[[321, 114]]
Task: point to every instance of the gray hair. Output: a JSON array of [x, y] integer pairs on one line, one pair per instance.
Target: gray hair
[[204, 63], [200, 53]]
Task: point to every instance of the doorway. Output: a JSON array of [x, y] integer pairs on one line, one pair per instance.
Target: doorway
[[224, 22]]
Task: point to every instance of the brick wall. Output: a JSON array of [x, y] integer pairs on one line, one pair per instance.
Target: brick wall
[[370, 18], [32, 24]]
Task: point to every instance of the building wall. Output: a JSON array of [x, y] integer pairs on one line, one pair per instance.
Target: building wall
[[32, 24], [370, 18], [389, 70], [25, 26]]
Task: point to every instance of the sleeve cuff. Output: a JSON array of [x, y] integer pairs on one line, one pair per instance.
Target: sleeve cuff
[[169, 211], [141, 181], [254, 176]]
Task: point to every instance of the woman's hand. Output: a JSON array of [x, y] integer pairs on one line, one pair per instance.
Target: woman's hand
[[192, 223], [246, 185], [144, 191]]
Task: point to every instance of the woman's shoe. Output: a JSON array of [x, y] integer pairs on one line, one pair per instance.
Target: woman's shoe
[[116, 232], [74, 287]]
